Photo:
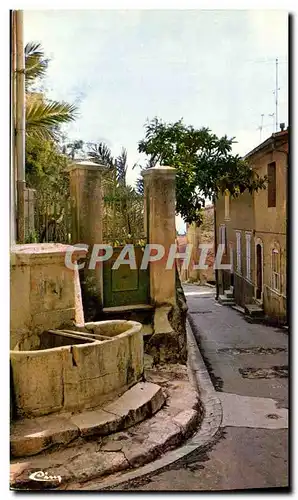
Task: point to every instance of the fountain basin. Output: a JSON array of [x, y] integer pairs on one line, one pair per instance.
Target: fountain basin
[[79, 369]]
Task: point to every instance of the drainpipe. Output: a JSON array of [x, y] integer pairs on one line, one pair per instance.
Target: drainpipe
[[20, 124], [215, 249], [13, 229]]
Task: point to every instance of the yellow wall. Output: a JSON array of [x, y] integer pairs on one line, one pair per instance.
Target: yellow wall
[[267, 224], [271, 219]]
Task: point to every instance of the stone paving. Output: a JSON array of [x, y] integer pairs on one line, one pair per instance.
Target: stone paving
[[220, 331], [242, 459]]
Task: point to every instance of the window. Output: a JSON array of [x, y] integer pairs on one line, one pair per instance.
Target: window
[[238, 251], [231, 259], [223, 236], [271, 173], [227, 205], [248, 255], [275, 270]]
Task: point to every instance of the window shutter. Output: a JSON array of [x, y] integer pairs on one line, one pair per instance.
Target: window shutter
[[248, 255], [238, 251], [271, 173]]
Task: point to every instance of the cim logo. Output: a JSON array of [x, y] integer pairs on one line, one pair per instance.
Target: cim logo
[[44, 477]]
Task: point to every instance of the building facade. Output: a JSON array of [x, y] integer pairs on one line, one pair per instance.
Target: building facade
[[253, 229], [204, 234]]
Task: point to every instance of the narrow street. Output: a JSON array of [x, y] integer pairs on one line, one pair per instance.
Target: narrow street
[[248, 365]]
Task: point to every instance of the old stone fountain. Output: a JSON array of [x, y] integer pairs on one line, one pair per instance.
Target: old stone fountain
[[59, 362]]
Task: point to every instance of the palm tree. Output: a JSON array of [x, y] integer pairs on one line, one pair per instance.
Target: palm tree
[[121, 167], [43, 117], [150, 162], [124, 206], [35, 63], [101, 153]]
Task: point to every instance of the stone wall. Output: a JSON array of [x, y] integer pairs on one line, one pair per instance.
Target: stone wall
[[74, 377], [45, 294], [195, 236]]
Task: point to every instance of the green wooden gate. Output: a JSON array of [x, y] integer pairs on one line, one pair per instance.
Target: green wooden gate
[[125, 286], [123, 223]]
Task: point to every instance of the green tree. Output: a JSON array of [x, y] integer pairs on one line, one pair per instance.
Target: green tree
[[46, 172], [45, 163], [205, 164], [149, 163]]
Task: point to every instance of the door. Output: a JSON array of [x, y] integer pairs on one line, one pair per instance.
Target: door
[[125, 286], [259, 259]]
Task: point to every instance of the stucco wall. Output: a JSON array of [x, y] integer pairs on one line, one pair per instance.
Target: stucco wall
[[271, 228], [274, 302], [267, 225], [271, 219]]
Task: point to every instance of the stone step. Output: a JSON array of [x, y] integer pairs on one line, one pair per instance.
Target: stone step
[[228, 294], [239, 308], [143, 313], [86, 459], [254, 319], [32, 436], [222, 299], [123, 309], [254, 310]]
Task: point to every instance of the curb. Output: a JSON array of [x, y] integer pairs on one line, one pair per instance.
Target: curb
[[209, 284], [206, 435]]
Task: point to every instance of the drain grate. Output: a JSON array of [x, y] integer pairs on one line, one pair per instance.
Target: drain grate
[[200, 312], [273, 372], [252, 350]]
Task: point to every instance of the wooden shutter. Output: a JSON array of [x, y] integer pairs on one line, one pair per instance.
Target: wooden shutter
[[272, 185]]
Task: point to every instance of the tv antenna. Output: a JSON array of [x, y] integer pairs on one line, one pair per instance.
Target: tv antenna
[[272, 115], [275, 92], [260, 128]]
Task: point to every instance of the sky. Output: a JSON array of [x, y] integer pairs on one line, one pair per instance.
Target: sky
[[213, 68]]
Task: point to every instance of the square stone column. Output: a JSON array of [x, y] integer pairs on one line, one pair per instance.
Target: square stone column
[[160, 203], [87, 214], [87, 204]]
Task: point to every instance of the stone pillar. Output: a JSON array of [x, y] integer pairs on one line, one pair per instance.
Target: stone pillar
[[86, 196], [87, 213], [160, 200], [168, 342]]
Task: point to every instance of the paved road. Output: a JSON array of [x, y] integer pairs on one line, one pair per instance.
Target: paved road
[[252, 450]]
